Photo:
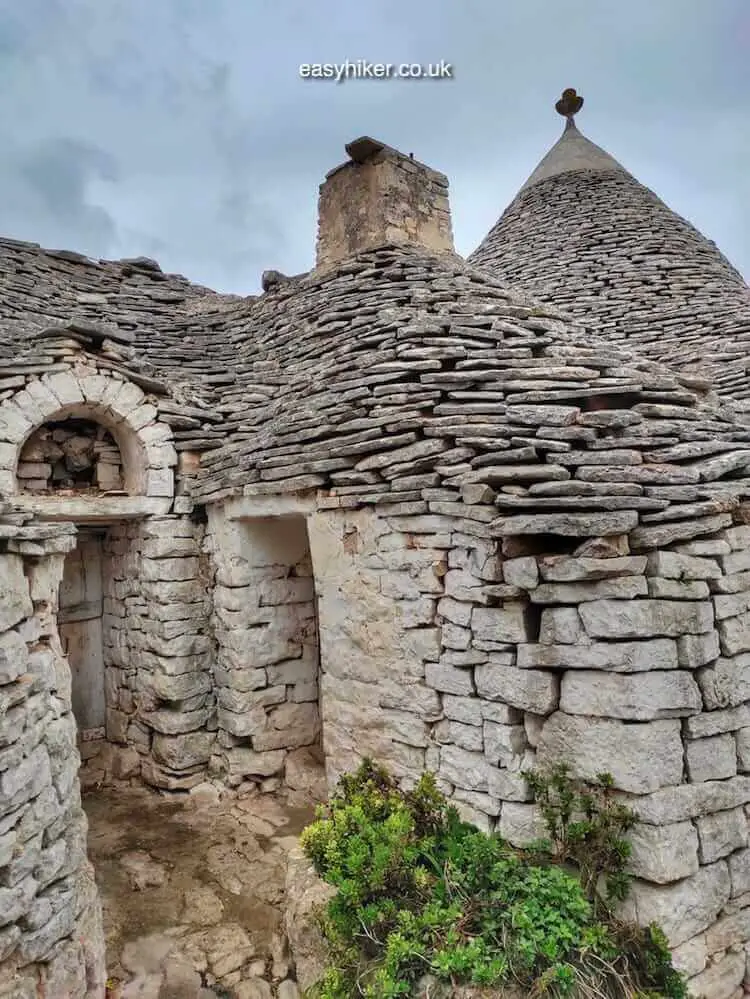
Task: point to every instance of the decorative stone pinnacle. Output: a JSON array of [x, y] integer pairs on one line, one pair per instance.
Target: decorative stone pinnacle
[[569, 104]]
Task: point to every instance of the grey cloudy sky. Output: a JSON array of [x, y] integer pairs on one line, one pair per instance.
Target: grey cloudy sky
[[181, 129]]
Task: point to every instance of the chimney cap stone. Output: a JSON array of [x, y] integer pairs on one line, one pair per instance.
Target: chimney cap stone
[[362, 149]]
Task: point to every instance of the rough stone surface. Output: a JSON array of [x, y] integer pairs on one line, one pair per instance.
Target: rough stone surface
[[684, 909], [389, 508], [640, 757], [306, 894]]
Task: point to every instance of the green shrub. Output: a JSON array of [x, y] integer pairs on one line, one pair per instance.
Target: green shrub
[[421, 892]]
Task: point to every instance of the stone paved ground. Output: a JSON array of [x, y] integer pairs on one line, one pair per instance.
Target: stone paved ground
[[192, 890]]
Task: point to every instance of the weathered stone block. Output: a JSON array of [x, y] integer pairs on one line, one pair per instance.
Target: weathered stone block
[[625, 588], [15, 602], [14, 654], [735, 562], [530, 690], [455, 637], [716, 722], [641, 758], [742, 739], [509, 785], [449, 679], [503, 742], [676, 566], [697, 650], [463, 585], [568, 569], [182, 752], [416, 697], [290, 726], [678, 589], [721, 834], [688, 801], [245, 679], [503, 714], [712, 758], [739, 872], [691, 957], [683, 909], [247, 723], [645, 618], [731, 604], [732, 930], [452, 732], [464, 769], [456, 611], [721, 980], [292, 671], [663, 853], [521, 824], [466, 710], [561, 626], [637, 697], [242, 762], [727, 683], [619, 657], [506, 624], [170, 722], [734, 634], [522, 572]]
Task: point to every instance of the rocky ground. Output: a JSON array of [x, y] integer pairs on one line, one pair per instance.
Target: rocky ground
[[192, 888]]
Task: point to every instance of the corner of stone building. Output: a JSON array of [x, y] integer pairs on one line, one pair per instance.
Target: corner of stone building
[[381, 197], [52, 940]]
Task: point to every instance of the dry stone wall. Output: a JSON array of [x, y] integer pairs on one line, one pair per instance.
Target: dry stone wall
[[51, 940], [159, 650], [266, 669], [377, 591], [444, 649]]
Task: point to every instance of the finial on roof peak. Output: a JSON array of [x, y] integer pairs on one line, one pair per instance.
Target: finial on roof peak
[[569, 104]]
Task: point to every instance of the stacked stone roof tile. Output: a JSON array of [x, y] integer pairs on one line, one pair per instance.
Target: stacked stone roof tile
[[419, 384], [157, 329]]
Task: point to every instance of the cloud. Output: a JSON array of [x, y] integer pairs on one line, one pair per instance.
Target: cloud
[[184, 127], [47, 191]]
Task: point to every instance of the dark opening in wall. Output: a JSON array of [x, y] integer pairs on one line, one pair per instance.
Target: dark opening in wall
[[533, 621], [539, 544], [599, 403], [73, 455]]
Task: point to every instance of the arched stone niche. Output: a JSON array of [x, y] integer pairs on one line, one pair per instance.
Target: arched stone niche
[[76, 455], [115, 413]]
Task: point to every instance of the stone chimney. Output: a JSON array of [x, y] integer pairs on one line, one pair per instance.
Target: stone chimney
[[381, 197]]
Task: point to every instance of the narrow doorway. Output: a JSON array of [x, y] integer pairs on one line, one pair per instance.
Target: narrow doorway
[[80, 626]]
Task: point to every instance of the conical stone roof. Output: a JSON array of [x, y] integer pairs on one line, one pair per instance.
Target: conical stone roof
[[585, 235]]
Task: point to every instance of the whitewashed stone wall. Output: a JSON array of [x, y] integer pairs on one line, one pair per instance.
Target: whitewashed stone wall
[[158, 650], [440, 652], [51, 940], [264, 622]]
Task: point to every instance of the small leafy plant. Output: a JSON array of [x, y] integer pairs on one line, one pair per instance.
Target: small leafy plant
[[419, 892], [586, 826]]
